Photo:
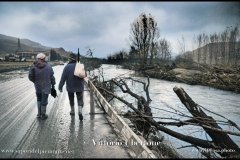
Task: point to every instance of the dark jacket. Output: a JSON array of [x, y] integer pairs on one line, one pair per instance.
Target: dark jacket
[[42, 75], [73, 83]]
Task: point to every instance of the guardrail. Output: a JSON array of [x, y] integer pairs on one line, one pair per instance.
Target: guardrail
[[133, 141]]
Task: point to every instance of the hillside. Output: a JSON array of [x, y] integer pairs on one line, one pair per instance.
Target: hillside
[[8, 45], [61, 52]]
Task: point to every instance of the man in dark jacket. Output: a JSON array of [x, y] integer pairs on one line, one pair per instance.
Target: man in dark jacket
[[41, 74], [74, 84]]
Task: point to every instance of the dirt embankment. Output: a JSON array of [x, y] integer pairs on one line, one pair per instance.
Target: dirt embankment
[[216, 77], [225, 79]]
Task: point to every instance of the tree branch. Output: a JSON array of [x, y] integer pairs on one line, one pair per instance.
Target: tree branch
[[189, 139]]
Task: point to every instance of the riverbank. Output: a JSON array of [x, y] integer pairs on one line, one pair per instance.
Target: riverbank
[[11, 66], [217, 77], [12, 70]]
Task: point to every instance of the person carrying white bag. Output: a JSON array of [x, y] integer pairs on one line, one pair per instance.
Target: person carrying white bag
[[79, 70], [74, 74]]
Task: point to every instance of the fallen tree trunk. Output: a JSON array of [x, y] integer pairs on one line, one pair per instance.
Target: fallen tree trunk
[[149, 119], [220, 139]]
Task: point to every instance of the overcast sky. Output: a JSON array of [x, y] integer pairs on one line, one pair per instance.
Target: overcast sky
[[105, 26]]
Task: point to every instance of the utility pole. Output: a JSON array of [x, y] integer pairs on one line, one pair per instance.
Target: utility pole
[[19, 44], [78, 55]]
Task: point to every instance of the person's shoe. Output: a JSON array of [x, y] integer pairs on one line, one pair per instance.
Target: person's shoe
[[44, 116], [38, 115], [80, 116], [43, 113], [72, 113]]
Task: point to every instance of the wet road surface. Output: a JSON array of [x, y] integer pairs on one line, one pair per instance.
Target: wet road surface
[[22, 135]]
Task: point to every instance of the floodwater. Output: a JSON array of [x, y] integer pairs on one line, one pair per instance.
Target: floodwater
[[225, 103], [22, 135]]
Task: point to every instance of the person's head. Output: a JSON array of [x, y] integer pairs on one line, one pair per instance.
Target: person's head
[[41, 56], [72, 57]]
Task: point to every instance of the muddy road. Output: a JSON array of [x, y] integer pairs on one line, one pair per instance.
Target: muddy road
[[22, 135]]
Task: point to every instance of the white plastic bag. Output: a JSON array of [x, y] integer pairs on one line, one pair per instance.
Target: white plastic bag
[[79, 70]]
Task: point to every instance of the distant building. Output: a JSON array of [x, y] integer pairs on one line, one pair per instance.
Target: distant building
[[2, 59], [21, 55], [31, 55]]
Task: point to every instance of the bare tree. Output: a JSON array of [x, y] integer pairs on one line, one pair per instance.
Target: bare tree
[[216, 48], [154, 32], [144, 34], [182, 46], [234, 34], [224, 46], [199, 47], [211, 48], [164, 49], [205, 51]]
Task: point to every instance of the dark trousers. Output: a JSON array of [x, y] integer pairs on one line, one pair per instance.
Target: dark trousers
[[79, 98], [43, 98]]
